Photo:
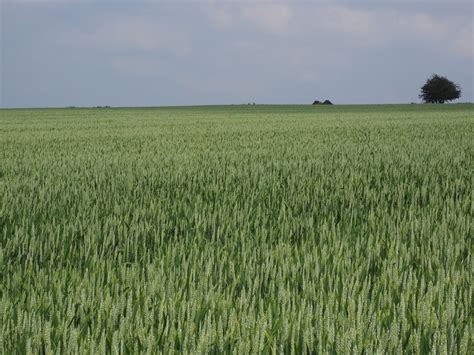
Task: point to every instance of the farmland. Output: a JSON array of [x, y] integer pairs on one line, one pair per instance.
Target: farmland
[[237, 229]]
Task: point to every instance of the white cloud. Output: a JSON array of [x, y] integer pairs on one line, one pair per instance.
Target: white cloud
[[463, 43], [131, 33], [137, 66], [274, 18], [269, 17], [355, 26], [452, 34]]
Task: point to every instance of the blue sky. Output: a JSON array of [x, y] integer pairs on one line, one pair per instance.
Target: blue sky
[[150, 53]]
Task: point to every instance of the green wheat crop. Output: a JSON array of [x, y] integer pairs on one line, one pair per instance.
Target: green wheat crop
[[261, 229]]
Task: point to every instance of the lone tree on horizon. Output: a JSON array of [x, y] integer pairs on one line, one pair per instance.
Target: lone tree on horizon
[[438, 90]]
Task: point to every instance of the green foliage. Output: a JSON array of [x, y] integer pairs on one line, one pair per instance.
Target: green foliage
[[237, 230], [438, 90]]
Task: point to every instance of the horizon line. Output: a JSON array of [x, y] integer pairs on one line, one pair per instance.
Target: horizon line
[[221, 105]]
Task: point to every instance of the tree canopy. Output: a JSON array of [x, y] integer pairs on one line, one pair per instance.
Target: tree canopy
[[439, 90]]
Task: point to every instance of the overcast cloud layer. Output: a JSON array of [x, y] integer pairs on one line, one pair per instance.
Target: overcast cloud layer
[[150, 53]]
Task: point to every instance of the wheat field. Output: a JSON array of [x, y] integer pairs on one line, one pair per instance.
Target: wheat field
[[237, 229]]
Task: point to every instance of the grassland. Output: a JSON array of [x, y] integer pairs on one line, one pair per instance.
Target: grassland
[[238, 229]]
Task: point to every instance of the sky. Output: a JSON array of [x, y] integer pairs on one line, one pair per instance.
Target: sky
[[61, 53]]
